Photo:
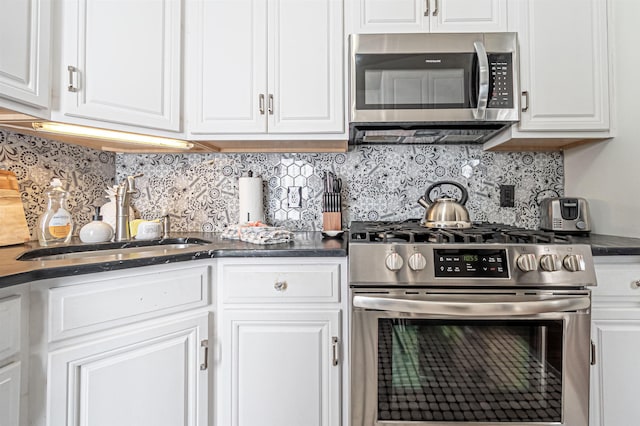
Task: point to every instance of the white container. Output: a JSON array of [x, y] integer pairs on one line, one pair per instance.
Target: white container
[[96, 231], [148, 230]]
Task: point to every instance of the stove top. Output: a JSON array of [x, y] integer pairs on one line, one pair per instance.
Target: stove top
[[411, 231]]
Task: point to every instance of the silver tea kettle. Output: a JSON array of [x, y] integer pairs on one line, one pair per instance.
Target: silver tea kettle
[[445, 212]]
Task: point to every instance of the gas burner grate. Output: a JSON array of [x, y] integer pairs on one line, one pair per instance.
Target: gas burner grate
[[411, 231]]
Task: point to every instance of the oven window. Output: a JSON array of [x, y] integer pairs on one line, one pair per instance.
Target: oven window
[[470, 370]]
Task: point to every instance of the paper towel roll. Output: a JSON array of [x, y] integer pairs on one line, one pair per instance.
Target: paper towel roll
[[251, 203]]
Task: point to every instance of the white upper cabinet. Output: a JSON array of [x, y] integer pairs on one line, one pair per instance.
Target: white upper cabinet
[[370, 16], [25, 30], [121, 63], [265, 67], [564, 64]]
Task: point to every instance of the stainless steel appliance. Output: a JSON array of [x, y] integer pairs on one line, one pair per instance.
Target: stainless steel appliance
[[482, 326], [432, 88], [564, 214]]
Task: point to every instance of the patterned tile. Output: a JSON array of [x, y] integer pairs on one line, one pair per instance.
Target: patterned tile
[[379, 182], [85, 173]]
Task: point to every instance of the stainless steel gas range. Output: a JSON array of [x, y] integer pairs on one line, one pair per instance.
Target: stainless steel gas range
[[483, 326]]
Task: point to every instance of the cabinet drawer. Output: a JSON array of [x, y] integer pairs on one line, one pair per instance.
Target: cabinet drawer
[[102, 304], [9, 327], [281, 283], [617, 279]]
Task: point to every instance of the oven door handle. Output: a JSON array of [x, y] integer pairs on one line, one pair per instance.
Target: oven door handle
[[465, 308]]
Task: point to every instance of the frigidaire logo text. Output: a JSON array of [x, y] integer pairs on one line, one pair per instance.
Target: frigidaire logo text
[[433, 61]]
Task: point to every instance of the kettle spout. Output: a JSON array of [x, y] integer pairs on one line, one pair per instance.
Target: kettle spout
[[423, 202]]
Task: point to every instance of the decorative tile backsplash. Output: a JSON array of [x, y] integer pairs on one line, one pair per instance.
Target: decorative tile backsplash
[[84, 172], [379, 183], [201, 190]]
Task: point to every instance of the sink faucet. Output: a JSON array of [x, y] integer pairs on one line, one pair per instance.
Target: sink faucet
[[123, 202]]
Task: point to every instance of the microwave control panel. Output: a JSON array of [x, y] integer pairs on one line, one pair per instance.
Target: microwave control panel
[[500, 80]]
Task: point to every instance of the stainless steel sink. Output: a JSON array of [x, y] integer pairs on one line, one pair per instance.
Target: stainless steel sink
[[117, 250]]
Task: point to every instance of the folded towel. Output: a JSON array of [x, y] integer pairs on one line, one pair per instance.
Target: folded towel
[[257, 234]]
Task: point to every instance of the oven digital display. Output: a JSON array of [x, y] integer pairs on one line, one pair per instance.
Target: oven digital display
[[471, 263]]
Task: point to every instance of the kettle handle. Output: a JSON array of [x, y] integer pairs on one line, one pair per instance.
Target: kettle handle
[[463, 190]]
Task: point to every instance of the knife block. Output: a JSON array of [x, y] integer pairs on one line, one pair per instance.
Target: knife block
[[332, 221], [13, 224]]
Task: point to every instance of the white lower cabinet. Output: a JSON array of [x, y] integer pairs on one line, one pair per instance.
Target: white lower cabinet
[[282, 333], [150, 377], [283, 368], [10, 394], [616, 336]]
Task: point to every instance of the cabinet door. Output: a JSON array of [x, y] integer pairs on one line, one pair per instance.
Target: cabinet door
[[429, 15], [126, 59], [151, 377], [10, 394], [563, 64], [305, 66], [280, 368], [615, 376], [448, 16], [25, 27], [227, 66]]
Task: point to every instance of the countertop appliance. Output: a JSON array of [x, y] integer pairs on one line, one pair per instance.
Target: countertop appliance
[[487, 325], [565, 214], [432, 88]]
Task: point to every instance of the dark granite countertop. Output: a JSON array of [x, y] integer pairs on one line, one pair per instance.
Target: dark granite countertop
[[305, 244], [13, 271]]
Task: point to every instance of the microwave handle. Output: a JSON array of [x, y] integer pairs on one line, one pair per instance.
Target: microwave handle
[[462, 308], [483, 72]]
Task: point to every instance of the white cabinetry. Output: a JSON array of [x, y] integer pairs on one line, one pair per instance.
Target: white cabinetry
[[616, 335], [392, 16], [10, 368], [25, 29], [261, 68], [123, 347], [564, 70], [281, 335], [120, 63]]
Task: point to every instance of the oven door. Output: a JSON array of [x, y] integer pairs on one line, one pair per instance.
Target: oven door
[[482, 358]]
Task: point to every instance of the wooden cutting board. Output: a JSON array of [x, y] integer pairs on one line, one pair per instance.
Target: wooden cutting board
[[13, 224]]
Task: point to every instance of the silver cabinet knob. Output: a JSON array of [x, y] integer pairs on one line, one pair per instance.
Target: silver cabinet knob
[[635, 284], [574, 263], [550, 262], [394, 262], [527, 262], [280, 285], [417, 262]]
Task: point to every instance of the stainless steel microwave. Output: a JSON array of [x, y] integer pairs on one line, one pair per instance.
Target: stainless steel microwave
[[443, 87]]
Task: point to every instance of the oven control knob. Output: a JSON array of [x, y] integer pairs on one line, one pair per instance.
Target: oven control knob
[[574, 263], [551, 262], [527, 262], [417, 262], [394, 262]]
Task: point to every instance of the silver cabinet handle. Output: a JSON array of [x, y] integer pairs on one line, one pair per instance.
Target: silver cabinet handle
[[426, 7], [280, 285], [72, 70], [435, 9], [335, 343], [465, 308], [525, 108], [483, 70], [205, 344], [261, 103], [635, 284], [270, 104], [593, 353]]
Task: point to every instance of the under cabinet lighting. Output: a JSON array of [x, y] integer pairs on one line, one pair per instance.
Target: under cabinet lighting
[[92, 132]]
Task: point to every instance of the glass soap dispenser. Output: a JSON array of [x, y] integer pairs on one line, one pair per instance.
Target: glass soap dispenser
[[55, 225]]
